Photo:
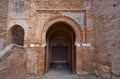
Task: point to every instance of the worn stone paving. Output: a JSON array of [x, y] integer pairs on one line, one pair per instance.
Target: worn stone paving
[[61, 77], [60, 74]]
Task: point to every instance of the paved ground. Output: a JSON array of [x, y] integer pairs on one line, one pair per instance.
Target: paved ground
[[59, 74], [61, 77]]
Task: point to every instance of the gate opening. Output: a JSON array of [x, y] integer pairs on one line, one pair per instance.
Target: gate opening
[[60, 50]]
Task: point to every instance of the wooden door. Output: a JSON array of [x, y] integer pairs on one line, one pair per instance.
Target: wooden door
[[59, 53], [59, 57]]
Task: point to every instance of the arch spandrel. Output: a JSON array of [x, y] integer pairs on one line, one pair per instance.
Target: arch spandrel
[[52, 20]]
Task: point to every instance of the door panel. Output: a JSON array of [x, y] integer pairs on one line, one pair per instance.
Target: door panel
[[59, 53]]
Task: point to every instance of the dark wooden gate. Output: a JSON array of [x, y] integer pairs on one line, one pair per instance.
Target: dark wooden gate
[[59, 56], [59, 53]]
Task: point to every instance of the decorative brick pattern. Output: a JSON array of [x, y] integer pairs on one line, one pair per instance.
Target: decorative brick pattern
[[78, 17]]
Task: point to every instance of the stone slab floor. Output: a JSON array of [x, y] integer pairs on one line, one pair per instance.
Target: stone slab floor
[[60, 74], [61, 77]]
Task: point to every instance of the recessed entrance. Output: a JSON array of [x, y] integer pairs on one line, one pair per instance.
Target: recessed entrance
[[60, 53]]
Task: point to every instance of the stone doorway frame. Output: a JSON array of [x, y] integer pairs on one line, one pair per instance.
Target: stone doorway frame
[[78, 40]]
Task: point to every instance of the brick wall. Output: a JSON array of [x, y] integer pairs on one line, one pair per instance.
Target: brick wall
[[13, 65], [59, 4], [3, 21], [106, 15], [103, 31]]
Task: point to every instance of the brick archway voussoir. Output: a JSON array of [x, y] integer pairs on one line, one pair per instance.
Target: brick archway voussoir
[[65, 19]]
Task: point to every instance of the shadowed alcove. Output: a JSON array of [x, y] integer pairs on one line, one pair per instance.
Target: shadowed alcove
[[60, 47], [17, 35]]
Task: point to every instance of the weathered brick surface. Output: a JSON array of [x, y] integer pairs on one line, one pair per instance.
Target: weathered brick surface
[[101, 27], [106, 14], [3, 20], [59, 4], [13, 65], [32, 61]]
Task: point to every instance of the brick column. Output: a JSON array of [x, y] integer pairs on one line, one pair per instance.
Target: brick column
[[47, 59], [78, 59], [41, 61]]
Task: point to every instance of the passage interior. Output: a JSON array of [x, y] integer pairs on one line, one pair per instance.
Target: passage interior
[[60, 53]]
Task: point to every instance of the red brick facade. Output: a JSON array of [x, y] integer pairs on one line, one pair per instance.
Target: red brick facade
[[95, 46]]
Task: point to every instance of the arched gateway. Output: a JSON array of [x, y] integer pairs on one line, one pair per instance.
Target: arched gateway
[[61, 38]]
